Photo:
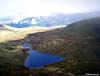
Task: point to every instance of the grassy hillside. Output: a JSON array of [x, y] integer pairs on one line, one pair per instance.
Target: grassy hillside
[[10, 33], [78, 44], [81, 38]]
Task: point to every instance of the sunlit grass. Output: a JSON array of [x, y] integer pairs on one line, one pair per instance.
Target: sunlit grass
[[19, 33]]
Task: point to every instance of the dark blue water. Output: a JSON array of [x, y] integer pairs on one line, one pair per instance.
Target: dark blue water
[[26, 45], [37, 59]]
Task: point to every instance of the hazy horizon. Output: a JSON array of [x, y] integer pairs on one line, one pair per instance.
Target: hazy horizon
[[46, 7]]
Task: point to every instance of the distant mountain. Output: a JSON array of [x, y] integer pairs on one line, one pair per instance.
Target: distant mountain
[[5, 20], [4, 28], [26, 22], [59, 19]]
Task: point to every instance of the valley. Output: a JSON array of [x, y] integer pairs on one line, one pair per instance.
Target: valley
[[78, 44]]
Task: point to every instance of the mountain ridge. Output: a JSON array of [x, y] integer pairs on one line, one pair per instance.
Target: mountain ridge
[[80, 35], [58, 19]]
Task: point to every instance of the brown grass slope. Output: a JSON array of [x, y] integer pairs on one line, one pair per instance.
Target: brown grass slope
[[80, 40]]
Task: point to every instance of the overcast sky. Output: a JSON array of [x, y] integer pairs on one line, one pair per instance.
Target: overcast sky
[[46, 7]]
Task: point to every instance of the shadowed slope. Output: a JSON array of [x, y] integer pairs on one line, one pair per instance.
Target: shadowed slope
[[80, 39]]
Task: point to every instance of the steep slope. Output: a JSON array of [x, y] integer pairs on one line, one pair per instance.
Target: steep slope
[[80, 40]]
